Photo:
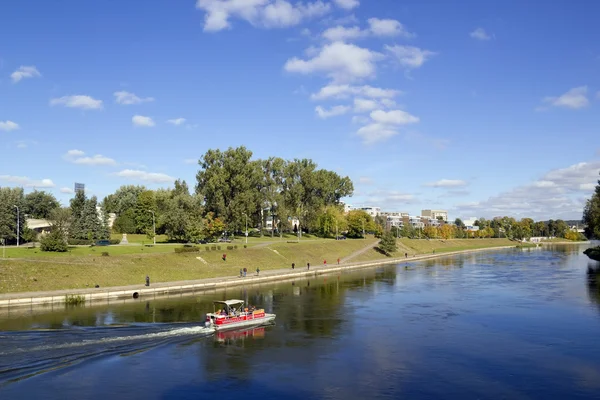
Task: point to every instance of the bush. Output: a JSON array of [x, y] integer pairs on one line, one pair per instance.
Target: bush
[[115, 241], [186, 249], [73, 299], [229, 247], [218, 247], [213, 248], [54, 241], [207, 248], [245, 246], [105, 254], [235, 247]]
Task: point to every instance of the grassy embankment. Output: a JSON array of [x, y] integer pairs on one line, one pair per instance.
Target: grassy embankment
[[84, 267], [424, 246]]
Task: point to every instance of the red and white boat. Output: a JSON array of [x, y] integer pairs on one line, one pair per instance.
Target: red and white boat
[[233, 314]]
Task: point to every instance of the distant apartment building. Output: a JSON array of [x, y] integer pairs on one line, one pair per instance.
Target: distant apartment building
[[372, 211], [347, 207], [435, 214]]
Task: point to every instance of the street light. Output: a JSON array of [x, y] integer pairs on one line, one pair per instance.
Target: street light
[[18, 234], [246, 215], [153, 226]]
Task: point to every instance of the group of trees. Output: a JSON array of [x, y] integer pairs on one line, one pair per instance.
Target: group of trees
[[234, 191], [16, 205]]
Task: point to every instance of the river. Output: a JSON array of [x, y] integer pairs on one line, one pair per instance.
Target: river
[[512, 324]]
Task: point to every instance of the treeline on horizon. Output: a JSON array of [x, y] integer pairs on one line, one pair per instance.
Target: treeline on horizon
[[233, 190]]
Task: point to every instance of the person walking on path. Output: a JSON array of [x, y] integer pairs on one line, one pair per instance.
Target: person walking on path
[[257, 271], [241, 273], [293, 265], [308, 266], [338, 261]]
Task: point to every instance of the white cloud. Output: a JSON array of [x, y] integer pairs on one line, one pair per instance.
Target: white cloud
[[480, 34], [384, 125], [365, 180], [78, 157], [77, 101], [8, 126], [347, 4], [560, 193], [365, 105], [376, 132], [410, 56], [98, 159], [128, 98], [74, 153], [377, 27], [145, 176], [341, 33], [344, 91], [388, 27], [332, 112], [340, 61], [25, 72], [27, 182], [176, 121], [574, 98], [140, 120], [66, 190], [259, 13], [394, 117], [190, 161], [447, 183]]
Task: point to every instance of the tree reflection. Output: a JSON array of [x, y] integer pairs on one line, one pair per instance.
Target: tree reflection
[[593, 283]]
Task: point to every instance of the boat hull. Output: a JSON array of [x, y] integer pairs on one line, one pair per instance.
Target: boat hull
[[243, 323]]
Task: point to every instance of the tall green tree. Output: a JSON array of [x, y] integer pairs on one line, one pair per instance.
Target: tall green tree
[[39, 204], [125, 198], [228, 182], [357, 220], [145, 203], [591, 214], [9, 198]]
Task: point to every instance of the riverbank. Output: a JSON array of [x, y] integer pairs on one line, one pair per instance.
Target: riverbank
[[77, 270], [165, 289]]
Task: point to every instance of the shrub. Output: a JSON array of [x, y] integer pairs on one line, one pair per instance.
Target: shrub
[[235, 247], [105, 254], [54, 241], [74, 299], [245, 246], [218, 247], [207, 248], [115, 241], [213, 248], [186, 249], [229, 247]]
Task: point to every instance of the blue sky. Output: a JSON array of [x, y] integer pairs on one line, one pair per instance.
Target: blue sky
[[484, 108]]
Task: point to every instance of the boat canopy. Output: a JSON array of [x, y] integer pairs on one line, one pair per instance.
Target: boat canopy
[[229, 303]]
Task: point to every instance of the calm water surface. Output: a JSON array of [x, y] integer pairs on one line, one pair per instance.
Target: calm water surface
[[518, 324]]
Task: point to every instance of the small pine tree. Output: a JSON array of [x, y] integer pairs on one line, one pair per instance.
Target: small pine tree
[[388, 243], [54, 241]]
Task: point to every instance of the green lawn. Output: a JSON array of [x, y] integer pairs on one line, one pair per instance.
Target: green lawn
[[424, 246], [127, 265]]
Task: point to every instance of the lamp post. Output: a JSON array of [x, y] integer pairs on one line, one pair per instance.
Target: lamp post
[[18, 233], [363, 224], [246, 215], [153, 227]]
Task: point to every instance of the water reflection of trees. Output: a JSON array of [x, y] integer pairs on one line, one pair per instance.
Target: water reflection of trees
[[593, 283], [309, 313]]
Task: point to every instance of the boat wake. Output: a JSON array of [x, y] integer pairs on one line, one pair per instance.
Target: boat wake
[[29, 353]]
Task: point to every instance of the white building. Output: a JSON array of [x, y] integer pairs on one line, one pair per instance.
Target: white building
[[416, 222], [372, 211], [435, 214]]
